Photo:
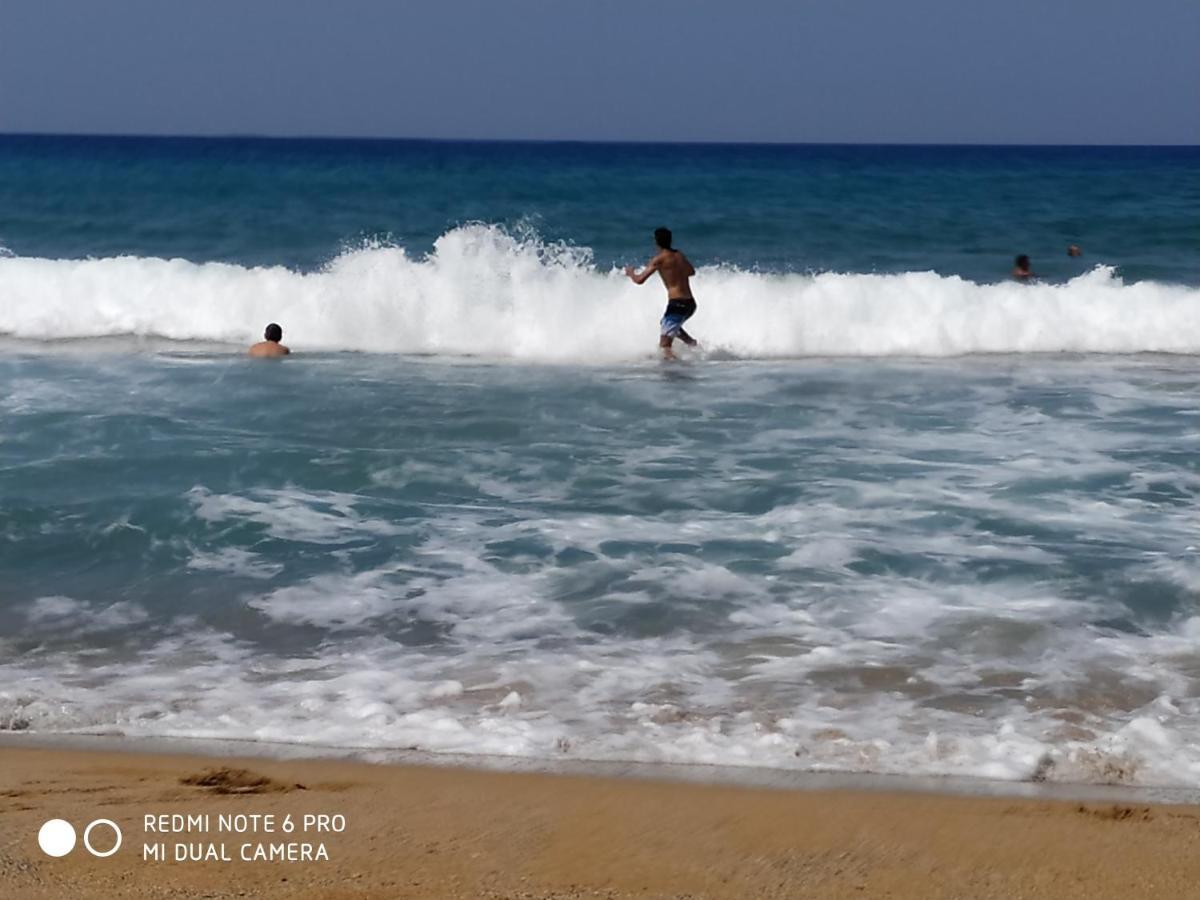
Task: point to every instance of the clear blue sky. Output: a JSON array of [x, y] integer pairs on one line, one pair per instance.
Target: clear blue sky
[[984, 71]]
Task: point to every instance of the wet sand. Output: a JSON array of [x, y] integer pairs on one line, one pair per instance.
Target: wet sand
[[429, 832]]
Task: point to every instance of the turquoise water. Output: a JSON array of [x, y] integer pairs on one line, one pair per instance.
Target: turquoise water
[[897, 515]]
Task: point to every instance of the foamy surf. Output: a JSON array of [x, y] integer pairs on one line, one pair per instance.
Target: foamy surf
[[978, 566], [486, 292]]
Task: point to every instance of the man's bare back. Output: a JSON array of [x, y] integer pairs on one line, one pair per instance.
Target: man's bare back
[[675, 270]]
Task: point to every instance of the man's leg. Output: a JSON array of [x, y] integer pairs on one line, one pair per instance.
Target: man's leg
[[665, 342], [687, 338]]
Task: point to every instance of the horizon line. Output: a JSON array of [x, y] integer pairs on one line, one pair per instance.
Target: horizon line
[[251, 136]]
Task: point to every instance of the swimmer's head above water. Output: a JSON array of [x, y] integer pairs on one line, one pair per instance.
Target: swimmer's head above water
[[270, 345]]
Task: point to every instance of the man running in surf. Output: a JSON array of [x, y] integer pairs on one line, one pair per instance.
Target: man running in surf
[[675, 270]]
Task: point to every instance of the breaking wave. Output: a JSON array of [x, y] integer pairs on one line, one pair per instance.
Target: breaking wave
[[485, 291]]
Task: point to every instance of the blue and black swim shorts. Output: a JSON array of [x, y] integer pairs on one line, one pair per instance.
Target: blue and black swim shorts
[[678, 311]]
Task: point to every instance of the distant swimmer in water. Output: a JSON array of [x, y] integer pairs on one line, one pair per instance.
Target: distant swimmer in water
[[1021, 270], [675, 270], [270, 345], [1074, 250]]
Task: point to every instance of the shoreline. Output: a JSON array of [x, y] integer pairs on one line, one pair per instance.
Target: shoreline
[[418, 831], [754, 777]]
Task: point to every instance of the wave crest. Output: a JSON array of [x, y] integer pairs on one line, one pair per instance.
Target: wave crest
[[485, 291]]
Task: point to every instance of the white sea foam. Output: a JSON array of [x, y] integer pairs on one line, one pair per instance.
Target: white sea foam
[[319, 518], [588, 704], [360, 598], [68, 613], [887, 672], [484, 291], [916, 598]]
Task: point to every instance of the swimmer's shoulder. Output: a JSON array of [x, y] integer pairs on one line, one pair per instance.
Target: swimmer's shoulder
[[267, 349]]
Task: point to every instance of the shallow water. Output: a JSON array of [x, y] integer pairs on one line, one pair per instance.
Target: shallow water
[[982, 565]]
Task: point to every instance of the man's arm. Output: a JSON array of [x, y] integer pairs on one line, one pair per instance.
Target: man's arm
[[640, 277], [691, 270]]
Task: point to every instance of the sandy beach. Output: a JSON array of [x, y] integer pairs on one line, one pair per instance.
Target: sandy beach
[[412, 831]]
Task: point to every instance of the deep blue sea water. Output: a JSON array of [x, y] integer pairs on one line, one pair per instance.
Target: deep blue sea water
[[897, 514], [778, 208]]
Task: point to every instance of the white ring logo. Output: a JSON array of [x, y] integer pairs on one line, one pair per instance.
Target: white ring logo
[[87, 833]]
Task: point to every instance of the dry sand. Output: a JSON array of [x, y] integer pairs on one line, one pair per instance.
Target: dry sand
[[440, 832]]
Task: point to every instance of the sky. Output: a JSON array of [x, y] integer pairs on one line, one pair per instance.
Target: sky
[[869, 71]]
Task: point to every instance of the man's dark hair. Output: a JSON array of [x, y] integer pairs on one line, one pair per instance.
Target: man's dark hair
[[662, 237], [273, 333], [1022, 261]]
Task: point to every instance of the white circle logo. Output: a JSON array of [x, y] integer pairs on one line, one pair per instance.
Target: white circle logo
[[57, 837], [87, 834]]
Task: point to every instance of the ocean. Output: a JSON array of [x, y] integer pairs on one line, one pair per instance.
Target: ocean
[[897, 514]]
